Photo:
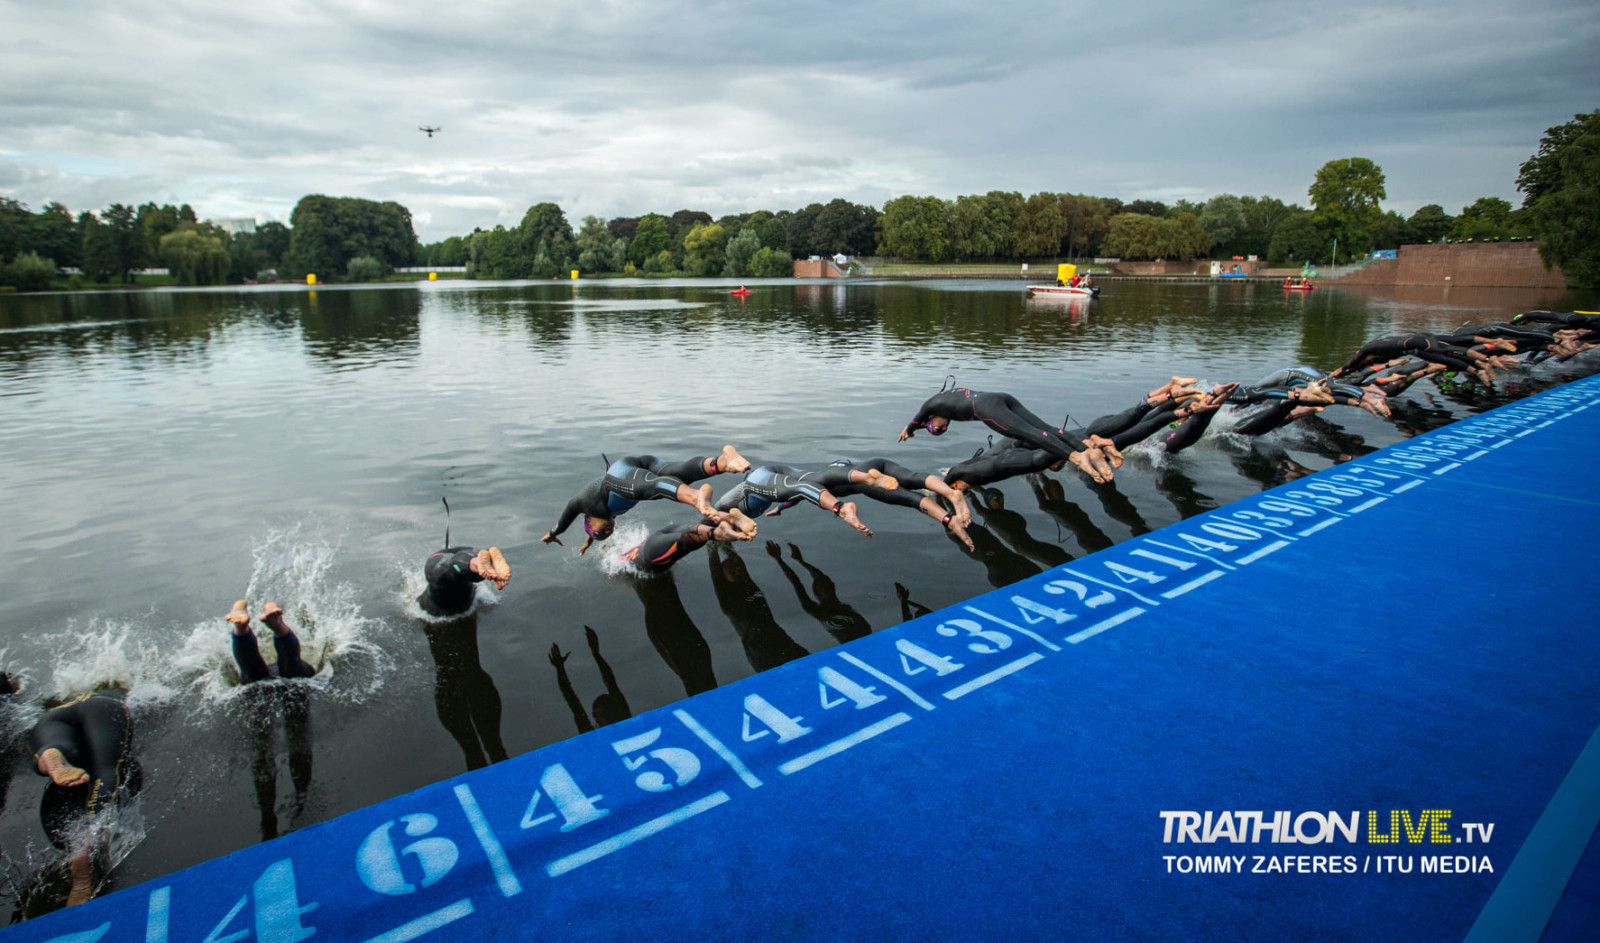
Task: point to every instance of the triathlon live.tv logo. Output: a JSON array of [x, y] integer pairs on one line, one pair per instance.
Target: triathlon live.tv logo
[[1393, 827]]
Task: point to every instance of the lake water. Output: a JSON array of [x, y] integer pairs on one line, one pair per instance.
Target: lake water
[[163, 453]]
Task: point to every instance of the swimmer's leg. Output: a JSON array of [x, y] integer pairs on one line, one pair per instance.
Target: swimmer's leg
[[246, 654], [290, 664]]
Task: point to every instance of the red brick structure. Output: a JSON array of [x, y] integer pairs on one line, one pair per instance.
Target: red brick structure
[[816, 268], [1461, 265]]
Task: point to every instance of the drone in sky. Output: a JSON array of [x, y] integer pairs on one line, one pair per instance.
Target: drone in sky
[[430, 130]]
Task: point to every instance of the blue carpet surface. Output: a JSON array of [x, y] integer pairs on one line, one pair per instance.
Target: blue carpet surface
[[1392, 661]]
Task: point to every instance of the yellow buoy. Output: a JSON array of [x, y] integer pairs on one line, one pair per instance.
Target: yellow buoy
[[311, 278], [574, 274], [433, 276]]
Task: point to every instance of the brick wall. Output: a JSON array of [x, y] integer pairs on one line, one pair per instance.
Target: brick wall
[[1462, 265], [820, 268]]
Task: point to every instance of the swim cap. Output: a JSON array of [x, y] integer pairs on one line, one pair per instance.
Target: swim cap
[[841, 461]]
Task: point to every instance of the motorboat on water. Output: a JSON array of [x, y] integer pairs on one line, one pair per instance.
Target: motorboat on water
[[1068, 284]]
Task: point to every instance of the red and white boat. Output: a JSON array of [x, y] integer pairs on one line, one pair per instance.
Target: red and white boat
[[1063, 287]]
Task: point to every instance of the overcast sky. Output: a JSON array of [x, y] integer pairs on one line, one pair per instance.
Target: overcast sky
[[618, 107]]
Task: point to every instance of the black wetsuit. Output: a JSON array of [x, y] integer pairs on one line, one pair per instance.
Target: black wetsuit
[[627, 482], [766, 486], [1000, 412], [1272, 395], [95, 734], [451, 582], [1569, 320], [252, 667], [667, 546], [1430, 347], [1008, 459]]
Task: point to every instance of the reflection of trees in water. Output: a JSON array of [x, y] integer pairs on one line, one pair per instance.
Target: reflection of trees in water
[[463, 693], [766, 644], [841, 620], [142, 329], [362, 326], [674, 634]]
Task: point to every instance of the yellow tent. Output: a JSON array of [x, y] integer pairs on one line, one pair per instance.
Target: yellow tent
[[1065, 271]]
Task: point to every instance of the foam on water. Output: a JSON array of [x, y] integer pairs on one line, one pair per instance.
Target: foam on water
[[414, 582], [613, 560]]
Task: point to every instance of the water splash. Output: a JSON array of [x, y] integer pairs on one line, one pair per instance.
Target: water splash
[[613, 561], [413, 583], [292, 569]]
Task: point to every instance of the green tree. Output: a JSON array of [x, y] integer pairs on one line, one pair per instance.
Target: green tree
[[15, 220], [1298, 239], [916, 228], [99, 249], [1428, 224], [741, 249], [1222, 218], [842, 226], [547, 240], [800, 224], [594, 246], [28, 271], [497, 253], [195, 256], [1488, 218], [1390, 231], [649, 240], [1040, 227], [771, 263], [1262, 216], [703, 249], [55, 235], [1562, 183], [327, 232], [127, 240], [364, 268], [1344, 198], [1134, 236]]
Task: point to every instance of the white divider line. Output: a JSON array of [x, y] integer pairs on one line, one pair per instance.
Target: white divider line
[[599, 850], [498, 863], [1195, 583], [1273, 547], [1329, 522], [1015, 628], [717, 747], [1408, 486], [991, 677], [1440, 471], [1501, 444], [1478, 454], [911, 695], [1111, 586], [1099, 627], [427, 923], [844, 743], [1526, 432]]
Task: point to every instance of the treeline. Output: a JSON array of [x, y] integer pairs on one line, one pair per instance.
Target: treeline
[[355, 239]]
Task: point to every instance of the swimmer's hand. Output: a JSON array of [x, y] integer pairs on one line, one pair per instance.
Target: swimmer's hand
[[904, 435], [585, 548], [550, 538]]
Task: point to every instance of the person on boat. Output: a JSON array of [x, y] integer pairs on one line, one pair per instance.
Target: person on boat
[[1005, 415], [453, 576], [85, 748], [1076, 281], [885, 480], [630, 480], [247, 653], [766, 487], [672, 543]]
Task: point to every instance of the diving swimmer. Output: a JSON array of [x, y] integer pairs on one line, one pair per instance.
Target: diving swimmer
[[672, 543], [247, 654], [638, 478], [768, 487], [453, 574], [1005, 415]]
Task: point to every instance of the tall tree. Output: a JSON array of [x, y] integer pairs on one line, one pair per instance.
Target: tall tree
[[1223, 220], [127, 239], [1298, 239], [916, 228], [741, 249], [842, 226], [1428, 224], [1345, 197], [195, 256], [1562, 183], [327, 232], [546, 240], [703, 248], [1040, 227], [593, 245], [650, 240]]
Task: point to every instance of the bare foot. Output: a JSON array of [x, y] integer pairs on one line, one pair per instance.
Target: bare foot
[[82, 880], [735, 525], [847, 513], [731, 461], [962, 508], [960, 530], [62, 773], [879, 480], [240, 617], [1093, 464], [272, 617], [704, 504]]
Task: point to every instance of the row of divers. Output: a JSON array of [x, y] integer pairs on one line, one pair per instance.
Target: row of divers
[[84, 747]]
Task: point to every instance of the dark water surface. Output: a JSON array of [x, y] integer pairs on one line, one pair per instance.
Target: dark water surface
[[165, 453]]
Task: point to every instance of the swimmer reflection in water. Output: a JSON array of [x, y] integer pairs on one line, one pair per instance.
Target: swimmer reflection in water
[[610, 707], [453, 575], [1002, 413], [85, 748], [672, 543], [636, 478]]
